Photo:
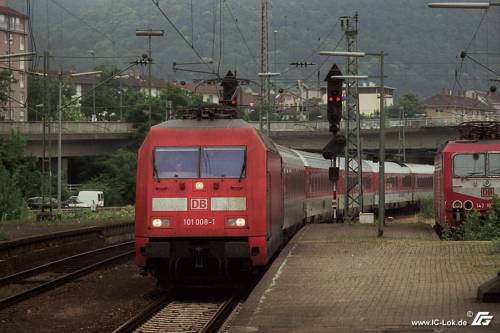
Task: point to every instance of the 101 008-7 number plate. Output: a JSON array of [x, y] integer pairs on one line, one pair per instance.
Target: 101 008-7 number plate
[[197, 222]]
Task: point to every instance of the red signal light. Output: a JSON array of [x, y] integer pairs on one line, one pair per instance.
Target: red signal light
[[233, 102], [336, 99]]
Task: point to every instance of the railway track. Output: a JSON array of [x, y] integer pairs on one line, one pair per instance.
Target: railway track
[[166, 315], [34, 281]]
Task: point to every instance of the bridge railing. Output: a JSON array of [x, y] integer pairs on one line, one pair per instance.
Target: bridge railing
[[321, 125], [76, 127]]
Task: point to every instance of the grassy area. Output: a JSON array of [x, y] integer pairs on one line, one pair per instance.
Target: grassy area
[[85, 214], [427, 208]]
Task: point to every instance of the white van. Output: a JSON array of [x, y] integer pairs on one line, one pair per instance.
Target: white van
[[89, 197]]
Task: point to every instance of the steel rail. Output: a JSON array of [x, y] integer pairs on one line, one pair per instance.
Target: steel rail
[[137, 320], [16, 298], [221, 316], [212, 325], [31, 271]]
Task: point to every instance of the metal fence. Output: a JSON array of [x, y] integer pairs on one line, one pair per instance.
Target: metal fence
[[367, 124], [78, 127]]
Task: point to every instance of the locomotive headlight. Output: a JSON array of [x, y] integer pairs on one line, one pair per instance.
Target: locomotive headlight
[[199, 186], [161, 223], [236, 222], [457, 204], [468, 205]]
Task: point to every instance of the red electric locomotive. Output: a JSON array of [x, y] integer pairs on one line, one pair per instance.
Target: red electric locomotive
[[210, 194], [467, 172]]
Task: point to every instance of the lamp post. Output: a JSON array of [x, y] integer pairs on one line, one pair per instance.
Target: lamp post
[[149, 33], [120, 92], [265, 101], [464, 5], [381, 197]]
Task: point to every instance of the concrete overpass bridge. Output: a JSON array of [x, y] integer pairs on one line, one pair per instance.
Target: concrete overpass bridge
[[423, 136]]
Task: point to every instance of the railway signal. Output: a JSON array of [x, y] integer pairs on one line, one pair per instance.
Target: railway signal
[[334, 113], [229, 90], [334, 102]]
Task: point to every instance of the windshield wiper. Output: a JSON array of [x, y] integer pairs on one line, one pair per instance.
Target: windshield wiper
[[155, 170], [243, 168]]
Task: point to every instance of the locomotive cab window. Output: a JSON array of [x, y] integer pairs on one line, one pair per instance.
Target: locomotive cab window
[[223, 162], [494, 164], [176, 162], [469, 165]]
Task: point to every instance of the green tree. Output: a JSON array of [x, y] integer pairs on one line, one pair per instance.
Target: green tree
[[22, 169], [36, 96], [12, 204], [408, 103]]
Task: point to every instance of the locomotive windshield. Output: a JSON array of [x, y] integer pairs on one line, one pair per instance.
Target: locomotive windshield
[[176, 162], [222, 162], [199, 162], [465, 165]]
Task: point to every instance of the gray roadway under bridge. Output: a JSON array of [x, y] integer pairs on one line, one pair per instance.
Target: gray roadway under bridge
[[94, 138]]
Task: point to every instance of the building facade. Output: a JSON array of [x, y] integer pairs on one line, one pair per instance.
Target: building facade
[[458, 107], [13, 39]]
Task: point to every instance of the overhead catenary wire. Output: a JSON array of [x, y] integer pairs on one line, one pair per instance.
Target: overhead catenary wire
[[164, 14], [236, 23]]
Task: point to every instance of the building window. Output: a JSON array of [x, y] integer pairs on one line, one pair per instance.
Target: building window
[[3, 22], [18, 24], [12, 22], [21, 65], [21, 80], [21, 43], [22, 99]]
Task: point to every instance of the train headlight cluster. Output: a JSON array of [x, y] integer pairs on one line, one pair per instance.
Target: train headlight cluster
[[199, 186], [236, 222], [457, 204], [161, 223]]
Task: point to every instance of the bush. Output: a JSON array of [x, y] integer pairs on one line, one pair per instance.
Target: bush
[[12, 204]]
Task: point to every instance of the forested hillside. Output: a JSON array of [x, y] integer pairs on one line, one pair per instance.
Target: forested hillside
[[422, 43]]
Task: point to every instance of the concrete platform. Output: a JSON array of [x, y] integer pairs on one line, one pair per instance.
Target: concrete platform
[[342, 278]]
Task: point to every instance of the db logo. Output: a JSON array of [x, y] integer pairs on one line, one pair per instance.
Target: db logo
[[199, 204]]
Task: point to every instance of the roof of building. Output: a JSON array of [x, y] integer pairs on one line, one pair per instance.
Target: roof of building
[[446, 100], [201, 88], [11, 12], [134, 79]]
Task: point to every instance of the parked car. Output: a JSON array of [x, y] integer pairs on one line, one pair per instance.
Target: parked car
[[36, 202], [74, 202]]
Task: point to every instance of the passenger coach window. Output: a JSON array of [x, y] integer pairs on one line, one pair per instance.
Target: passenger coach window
[[469, 165], [494, 164], [176, 162], [223, 162]]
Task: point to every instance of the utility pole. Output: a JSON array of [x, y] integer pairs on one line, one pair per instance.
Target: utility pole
[[149, 33], [264, 81], [9, 37], [381, 171], [353, 156], [59, 147], [94, 116]]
